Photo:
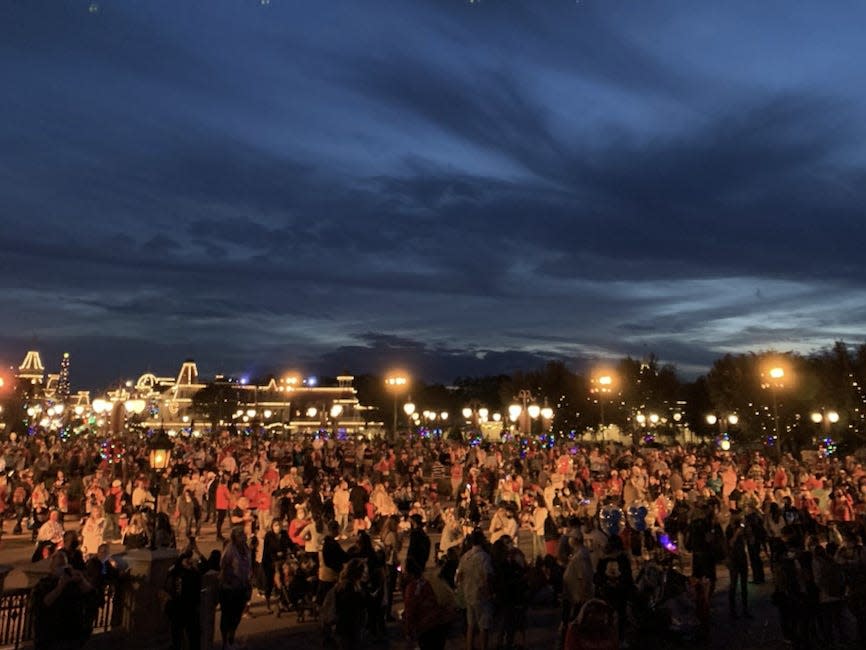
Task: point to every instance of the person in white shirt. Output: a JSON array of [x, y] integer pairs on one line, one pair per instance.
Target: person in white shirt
[[538, 518], [341, 507], [141, 496], [51, 530], [503, 523]]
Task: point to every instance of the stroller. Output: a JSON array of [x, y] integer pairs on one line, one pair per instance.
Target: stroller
[[297, 582]]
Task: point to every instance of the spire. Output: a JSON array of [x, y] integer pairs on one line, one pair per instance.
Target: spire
[[31, 368], [188, 375]]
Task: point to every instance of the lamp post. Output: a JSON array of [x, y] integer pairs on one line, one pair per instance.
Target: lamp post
[[602, 386], [731, 418], [825, 418], [396, 383], [409, 410], [160, 447], [774, 380], [645, 421], [521, 410]]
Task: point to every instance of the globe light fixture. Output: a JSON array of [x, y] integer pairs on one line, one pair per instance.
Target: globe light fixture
[[409, 409], [534, 411]]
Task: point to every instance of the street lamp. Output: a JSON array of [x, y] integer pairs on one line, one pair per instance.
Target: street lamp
[[826, 418], [724, 438], [160, 447], [774, 380], [396, 383], [602, 385], [523, 409]]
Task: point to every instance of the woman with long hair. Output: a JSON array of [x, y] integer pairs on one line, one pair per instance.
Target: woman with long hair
[[350, 604], [135, 533], [92, 531], [236, 570], [275, 548]]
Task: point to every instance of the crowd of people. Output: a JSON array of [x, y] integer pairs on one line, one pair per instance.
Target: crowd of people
[[335, 528]]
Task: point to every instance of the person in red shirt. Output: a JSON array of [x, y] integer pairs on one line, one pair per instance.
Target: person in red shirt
[[297, 525], [222, 503]]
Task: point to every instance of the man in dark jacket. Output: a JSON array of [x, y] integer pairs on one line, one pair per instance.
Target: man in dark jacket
[[334, 557], [419, 542], [738, 565]]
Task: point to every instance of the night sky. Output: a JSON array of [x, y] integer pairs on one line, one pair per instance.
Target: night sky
[[459, 187]]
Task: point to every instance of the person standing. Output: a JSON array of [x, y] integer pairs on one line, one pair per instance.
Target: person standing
[[474, 579], [738, 565], [235, 585], [275, 549], [578, 579], [350, 605], [60, 607], [425, 620], [419, 542], [184, 605], [222, 503]]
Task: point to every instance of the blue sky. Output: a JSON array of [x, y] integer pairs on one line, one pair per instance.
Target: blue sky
[[458, 187]]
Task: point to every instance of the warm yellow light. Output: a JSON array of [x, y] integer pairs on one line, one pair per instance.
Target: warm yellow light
[[58, 408], [534, 410], [101, 406], [251, 413], [777, 373], [396, 381], [514, 411], [654, 419], [483, 412], [467, 412], [733, 418], [312, 411], [267, 413], [641, 418], [336, 410], [497, 417], [409, 408], [605, 380], [443, 415], [547, 413], [817, 417], [712, 419], [725, 445], [79, 410], [833, 416]]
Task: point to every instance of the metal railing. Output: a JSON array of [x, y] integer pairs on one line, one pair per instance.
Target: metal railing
[[16, 614]]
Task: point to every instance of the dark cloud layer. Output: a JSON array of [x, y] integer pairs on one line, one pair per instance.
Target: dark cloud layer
[[458, 187]]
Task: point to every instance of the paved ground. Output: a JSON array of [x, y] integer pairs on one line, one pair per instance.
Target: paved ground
[[264, 631]]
